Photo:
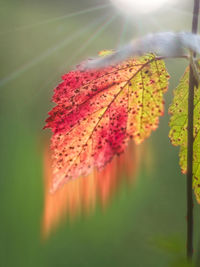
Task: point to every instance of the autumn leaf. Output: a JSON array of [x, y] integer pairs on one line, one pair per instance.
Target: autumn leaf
[[81, 195], [178, 128], [98, 111]]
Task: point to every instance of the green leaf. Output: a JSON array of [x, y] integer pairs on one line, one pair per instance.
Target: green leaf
[[178, 128]]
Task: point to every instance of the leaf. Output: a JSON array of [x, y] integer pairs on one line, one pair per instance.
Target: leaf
[[81, 195], [98, 111], [178, 128]]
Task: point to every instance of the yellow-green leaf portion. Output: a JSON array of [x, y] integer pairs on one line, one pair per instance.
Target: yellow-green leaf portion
[[104, 53], [178, 128]]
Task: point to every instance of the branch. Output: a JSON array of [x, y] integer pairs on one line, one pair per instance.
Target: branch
[[192, 83], [165, 44]]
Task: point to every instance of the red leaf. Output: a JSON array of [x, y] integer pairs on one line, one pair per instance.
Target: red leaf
[[98, 111]]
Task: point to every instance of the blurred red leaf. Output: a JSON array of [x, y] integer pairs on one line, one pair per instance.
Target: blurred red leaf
[[81, 195]]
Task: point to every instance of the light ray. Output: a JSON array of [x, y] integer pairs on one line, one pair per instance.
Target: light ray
[[123, 33], [97, 33], [47, 53], [77, 13]]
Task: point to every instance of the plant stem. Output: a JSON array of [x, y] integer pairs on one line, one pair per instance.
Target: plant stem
[[192, 83]]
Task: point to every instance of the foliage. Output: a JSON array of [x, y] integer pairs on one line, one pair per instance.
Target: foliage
[[99, 110], [178, 128]]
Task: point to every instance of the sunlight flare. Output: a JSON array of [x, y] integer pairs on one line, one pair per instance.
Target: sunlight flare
[[142, 6]]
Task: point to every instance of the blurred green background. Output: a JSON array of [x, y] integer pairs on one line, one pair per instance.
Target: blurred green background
[[144, 224]]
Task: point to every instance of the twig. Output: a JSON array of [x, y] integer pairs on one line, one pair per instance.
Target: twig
[[192, 83]]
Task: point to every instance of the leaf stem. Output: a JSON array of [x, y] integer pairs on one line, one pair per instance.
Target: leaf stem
[[192, 83]]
